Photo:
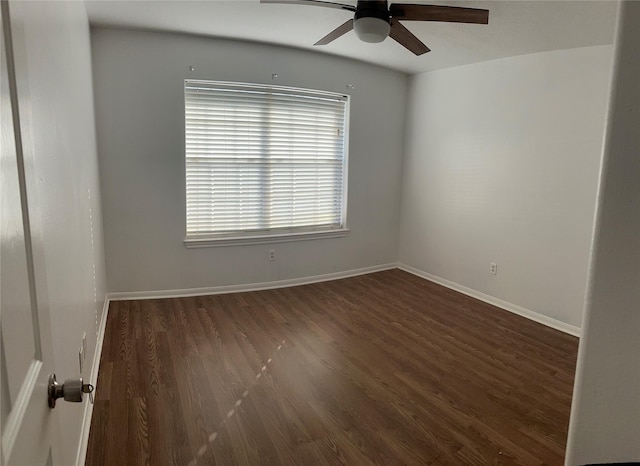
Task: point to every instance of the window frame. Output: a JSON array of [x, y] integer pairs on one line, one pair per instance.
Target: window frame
[[278, 235]]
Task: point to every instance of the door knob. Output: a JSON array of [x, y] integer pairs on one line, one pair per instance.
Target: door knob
[[71, 390]]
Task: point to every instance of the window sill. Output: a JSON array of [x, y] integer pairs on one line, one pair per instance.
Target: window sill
[[263, 239]]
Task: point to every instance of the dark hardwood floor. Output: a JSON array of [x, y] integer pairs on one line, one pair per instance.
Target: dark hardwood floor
[[385, 368]]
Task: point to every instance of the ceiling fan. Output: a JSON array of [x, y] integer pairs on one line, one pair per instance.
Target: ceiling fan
[[374, 20]]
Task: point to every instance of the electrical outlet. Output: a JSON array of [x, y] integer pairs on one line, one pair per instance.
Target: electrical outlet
[[493, 268], [272, 254]]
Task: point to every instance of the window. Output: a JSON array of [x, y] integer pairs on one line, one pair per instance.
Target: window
[[263, 161]]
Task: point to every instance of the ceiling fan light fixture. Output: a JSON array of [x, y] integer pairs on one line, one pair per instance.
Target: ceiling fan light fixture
[[371, 29]]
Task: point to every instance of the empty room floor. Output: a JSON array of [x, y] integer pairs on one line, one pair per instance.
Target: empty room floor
[[384, 368]]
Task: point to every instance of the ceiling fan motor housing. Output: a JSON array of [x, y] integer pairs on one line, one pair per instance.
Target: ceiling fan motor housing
[[372, 21]]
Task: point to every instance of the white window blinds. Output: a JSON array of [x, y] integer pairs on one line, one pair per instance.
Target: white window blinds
[[263, 159]]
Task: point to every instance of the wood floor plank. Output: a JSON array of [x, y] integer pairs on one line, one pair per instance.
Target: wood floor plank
[[99, 435], [384, 368], [138, 440], [116, 451]]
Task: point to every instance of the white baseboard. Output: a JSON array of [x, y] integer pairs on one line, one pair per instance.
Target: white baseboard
[[507, 306], [93, 379], [181, 293]]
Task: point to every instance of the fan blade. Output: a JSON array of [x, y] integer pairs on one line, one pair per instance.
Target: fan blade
[[449, 14], [337, 32], [339, 6], [404, 37]]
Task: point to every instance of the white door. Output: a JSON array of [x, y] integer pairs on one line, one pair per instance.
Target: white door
[[27, 423]]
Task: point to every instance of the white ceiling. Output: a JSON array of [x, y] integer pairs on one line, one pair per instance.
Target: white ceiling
[[515, 27]]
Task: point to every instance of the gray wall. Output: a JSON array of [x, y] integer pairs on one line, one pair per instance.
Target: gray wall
[[138, 79], [501, 165], [605, 417]]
